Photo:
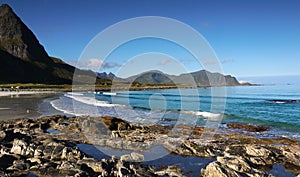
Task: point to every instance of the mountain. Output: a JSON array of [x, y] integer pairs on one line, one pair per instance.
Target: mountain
[[151, 77], [206, 78], [24, 60], [200, 78], [104, 75]]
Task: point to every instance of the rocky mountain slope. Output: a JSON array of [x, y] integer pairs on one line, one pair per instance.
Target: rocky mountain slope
[[199, 78], [24, 60]]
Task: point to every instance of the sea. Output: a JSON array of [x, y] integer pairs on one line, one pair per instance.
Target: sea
[[275, 105]]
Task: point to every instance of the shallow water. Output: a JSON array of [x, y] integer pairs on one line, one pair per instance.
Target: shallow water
[[12, 107], [246, 104], [280, 171], [27, 106], [190, 165]]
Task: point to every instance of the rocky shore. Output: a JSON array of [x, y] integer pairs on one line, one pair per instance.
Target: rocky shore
[[48, 146]]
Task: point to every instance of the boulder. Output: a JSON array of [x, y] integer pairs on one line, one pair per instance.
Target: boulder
[[236, 163], [247, 127], [136, 157], [257, 151], [169, 171], [126, 158], [216, 169]]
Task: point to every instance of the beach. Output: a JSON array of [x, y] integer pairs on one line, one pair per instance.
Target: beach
[[91, 134], [149, 89], [21, 92], [26, 104]]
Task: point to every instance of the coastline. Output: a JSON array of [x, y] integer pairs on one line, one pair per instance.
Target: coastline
[[237, 151], [27, 92], [52, 143], [14, 89], [26, 104]]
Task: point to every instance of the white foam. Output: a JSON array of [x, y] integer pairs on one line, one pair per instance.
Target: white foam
[[109, 93], [4, 108], [63, 110], [203, 114], [75, 93], [90, 101]]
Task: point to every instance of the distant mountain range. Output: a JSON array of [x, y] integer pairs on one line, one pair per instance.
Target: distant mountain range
[[24, 60], [199, 78]]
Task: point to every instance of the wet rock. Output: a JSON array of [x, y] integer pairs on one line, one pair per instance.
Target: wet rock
[[236, 163], [35, 160], [136, 157], [19, 165], [169, 171], [26, 147], [6, 161], [22, 148], [257, 151], [2, 135], [216, 169], [232, 167], [96, 166], [126, 158], [113, 123], [39, 151], [292, 154], [251, 128], [133, 157]]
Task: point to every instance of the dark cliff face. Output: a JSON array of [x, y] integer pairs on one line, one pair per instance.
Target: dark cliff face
[[17, 39], [24, 60]]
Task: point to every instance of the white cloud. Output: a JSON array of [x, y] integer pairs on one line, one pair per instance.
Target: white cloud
[[111, 65], [94, 63], [165, 61], [227, 60]]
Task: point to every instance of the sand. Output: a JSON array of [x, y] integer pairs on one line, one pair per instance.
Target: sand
[[30, 104], [12, 93]]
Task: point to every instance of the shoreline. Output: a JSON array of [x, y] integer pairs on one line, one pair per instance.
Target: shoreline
[[44, 98], [31, 104], [119, 87], [50, 142], [27, 92]]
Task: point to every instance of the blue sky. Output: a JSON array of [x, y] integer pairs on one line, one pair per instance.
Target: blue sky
[[250, 37]]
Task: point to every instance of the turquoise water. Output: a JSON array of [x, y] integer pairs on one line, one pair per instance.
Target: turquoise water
[[269, 105]]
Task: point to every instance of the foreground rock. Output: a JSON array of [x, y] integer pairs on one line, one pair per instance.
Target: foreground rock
[[27, 148], [48, 147], [250, 128]]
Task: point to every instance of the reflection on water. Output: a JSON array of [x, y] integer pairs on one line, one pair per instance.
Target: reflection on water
[[190, 165]]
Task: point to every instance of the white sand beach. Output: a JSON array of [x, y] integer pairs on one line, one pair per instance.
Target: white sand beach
[[13, 93]]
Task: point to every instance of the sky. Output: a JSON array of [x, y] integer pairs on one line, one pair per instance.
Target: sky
[[249, 37]]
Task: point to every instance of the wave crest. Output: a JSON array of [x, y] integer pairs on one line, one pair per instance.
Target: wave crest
[[90, 100], [203, 114]]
